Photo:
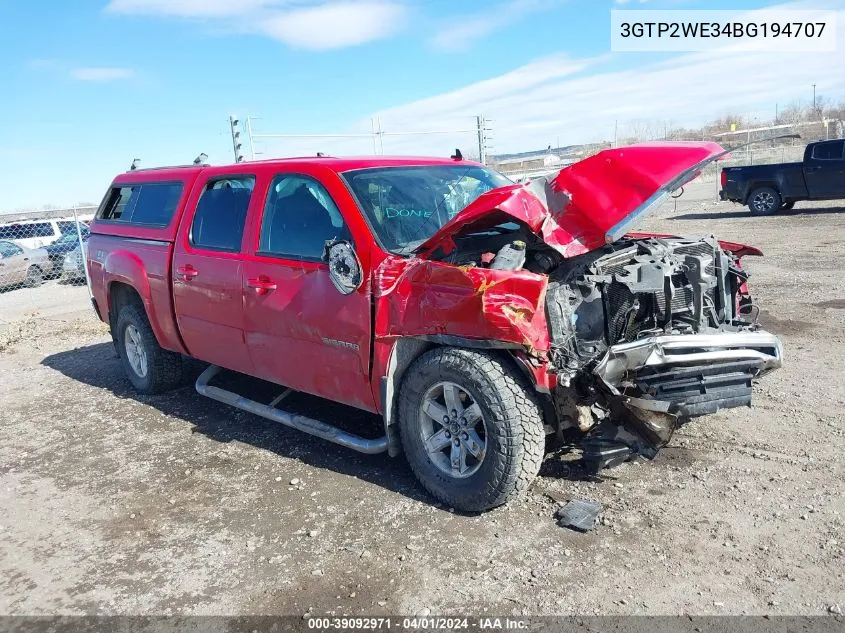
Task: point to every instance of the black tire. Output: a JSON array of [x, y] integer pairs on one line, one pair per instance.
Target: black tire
[[513, 427], [786, 206], [34, 277], [764, 201], [163, 368]]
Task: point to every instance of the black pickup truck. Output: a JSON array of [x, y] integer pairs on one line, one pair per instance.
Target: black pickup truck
[[769, 188]]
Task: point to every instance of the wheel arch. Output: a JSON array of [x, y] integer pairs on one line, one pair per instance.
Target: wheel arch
[[762, 184], [408, 349]]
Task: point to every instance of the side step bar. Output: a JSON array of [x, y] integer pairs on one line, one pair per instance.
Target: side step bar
[[298, 422]]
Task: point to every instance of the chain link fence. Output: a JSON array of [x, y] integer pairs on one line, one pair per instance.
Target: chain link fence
[[42, 263]]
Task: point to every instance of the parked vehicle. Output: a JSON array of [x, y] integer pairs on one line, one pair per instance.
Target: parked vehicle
[[73, 264], [475, 315], [769, 188], [62, 246], [35, 233], [22, 266]]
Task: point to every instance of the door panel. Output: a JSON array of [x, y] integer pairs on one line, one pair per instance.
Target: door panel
[[301, 332], [306, 335], [207, 272], [209, 301]]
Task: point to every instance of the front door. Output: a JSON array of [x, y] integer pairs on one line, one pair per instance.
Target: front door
[[301, 332], [208, 270], [825, 170]]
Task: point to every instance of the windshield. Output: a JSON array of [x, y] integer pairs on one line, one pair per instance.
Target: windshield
[[407, 205]]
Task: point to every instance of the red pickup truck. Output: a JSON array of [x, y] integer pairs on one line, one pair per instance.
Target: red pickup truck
[[475, 315]]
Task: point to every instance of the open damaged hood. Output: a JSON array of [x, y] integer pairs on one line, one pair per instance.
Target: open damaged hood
[[588, 204]]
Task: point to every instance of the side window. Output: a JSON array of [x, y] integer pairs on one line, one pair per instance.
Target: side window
[[829, 151], [7, 249], [43, 229], [299, 218], [66, 226], [156, 203], [116, 204], [149, 203], [221, 214]]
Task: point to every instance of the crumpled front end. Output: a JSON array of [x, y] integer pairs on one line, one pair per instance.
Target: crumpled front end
[[648, 333]]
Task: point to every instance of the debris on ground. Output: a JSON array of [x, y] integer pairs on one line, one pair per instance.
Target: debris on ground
[[578, 514]]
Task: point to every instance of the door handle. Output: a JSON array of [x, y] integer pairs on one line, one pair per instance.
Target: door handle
[[262, 285], [187, 272]]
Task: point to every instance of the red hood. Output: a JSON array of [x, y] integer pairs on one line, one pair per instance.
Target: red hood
[[587, 204]]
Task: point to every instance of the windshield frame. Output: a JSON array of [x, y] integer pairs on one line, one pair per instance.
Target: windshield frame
[[405, 251]]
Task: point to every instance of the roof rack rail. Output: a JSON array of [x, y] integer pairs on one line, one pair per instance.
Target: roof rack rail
[[185, 166]]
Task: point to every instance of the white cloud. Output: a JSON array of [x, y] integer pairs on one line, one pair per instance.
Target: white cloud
[[580, 100], [336, 24], [101, 73], [461, 31], [306, 24]]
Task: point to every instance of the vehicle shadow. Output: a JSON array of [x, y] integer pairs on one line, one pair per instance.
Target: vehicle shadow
[[727, 215], [98, 366]]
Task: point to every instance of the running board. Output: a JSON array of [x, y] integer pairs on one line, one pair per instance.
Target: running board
[[298, 422]]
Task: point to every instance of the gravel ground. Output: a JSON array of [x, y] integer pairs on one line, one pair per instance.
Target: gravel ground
[[111, 503]]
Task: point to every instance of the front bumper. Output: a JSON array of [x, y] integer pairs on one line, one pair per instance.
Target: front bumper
[[689, 375]]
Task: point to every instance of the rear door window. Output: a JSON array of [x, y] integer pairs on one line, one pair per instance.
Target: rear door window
[[829, 151], [149, 203], [221, 214]]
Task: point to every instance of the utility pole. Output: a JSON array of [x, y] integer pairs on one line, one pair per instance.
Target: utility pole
[[482, 150], [814, 97], [234, 125]]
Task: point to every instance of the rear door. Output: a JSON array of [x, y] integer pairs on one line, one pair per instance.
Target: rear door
[[300, 330], [824, 170], [207, 270]]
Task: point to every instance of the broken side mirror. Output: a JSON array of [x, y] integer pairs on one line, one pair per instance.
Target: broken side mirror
[[344, 266]]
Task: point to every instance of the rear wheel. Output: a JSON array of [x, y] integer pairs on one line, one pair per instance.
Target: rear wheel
[[150, 368], [764, 201], [472, 432], [34, 277]]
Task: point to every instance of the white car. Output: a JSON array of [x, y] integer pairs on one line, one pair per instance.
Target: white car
[[22, 266], [36, 233]]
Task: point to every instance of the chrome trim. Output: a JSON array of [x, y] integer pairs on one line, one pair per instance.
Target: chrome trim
[[293, 420], [689, 349]]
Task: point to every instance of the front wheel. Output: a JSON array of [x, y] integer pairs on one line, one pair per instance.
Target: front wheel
[[472, 433], [150, 368], [764, 201]]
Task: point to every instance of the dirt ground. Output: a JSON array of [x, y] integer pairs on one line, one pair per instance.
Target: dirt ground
[[113, 503]]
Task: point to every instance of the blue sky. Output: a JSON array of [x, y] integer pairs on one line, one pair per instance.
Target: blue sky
[[91, 84]]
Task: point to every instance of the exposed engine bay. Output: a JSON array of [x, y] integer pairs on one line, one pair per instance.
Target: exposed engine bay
[[645, 334]]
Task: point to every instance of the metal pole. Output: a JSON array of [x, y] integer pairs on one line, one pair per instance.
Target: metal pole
[[814, 97], [82, 253], [479, 121], [249, 134]]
